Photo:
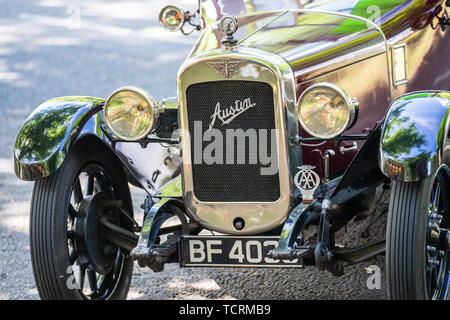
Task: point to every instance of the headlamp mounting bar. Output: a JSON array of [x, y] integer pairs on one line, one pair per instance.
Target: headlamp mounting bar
[[338, 140]]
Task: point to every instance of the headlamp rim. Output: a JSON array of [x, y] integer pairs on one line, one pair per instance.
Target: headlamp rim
[[147, 97], [348, 103], [166, 27]]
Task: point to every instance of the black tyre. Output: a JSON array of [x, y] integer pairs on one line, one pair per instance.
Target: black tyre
[[417, 251], [71, 260]]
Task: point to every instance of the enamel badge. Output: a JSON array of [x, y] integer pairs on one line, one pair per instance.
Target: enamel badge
[[307, 181]]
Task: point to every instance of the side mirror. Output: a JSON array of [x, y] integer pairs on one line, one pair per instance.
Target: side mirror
[[173, 18]]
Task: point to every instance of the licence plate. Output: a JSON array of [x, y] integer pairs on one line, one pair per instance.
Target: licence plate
[[229, 251]]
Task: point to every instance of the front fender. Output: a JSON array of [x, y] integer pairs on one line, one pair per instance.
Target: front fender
[[47, 134], [415, 138], [52, 129]]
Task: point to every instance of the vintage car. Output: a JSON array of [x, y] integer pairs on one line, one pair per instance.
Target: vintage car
[[291, 119]]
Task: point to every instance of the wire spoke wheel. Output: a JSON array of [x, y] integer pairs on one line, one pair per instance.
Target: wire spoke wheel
[[92, 284], [71, 258], [437, 252]]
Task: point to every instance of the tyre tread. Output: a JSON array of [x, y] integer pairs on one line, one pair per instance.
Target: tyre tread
[[403, 261]]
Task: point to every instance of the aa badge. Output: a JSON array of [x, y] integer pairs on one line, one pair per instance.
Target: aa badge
[[307, 181]]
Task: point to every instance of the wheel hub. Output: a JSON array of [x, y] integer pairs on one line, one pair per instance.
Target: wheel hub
[[438, 244], [92, 249]]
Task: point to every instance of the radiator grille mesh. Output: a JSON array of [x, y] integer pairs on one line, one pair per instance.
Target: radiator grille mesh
[[232, 182]]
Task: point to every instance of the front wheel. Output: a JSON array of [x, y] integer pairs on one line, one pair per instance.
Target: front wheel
[[417, 251], [71, 260]]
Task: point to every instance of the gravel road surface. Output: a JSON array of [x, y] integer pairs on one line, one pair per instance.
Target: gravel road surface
[[51, 48]]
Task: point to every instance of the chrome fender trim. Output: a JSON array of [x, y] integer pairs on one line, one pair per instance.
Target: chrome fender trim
[[415, 138], [47, 134]]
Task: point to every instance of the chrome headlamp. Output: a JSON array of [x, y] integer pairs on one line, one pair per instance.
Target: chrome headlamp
[[171, 18], [325, 111], [130, 113]]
